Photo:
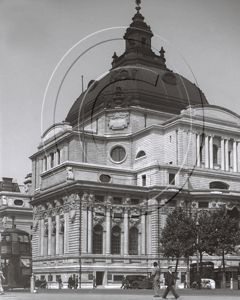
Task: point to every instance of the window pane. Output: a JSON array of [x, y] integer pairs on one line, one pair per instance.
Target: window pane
[[116, 240], [133, 241], [97, 239]]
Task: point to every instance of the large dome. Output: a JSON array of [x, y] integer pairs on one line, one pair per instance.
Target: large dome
[[138, 77]]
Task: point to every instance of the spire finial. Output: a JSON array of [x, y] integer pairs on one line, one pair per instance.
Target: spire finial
[[138, 2]]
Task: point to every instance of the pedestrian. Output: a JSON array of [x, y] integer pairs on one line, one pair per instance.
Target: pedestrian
[[1, 278], [123, 282], [94, 282], [60, 282], [76, 282], [126, 284], [199, 281], [70, 282], [156, 280], [169, 282]]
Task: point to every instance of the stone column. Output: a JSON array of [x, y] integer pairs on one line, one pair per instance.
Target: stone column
[[66, 231], [41, 244], [104, 241], [211, 151], [126, 231], [57, 234], [238, 155], [222, 154], [194, 148], [206, 152], [90, 229], [235, 167], [108, 231], [49, 252], [198, 149], [84, 228], [143, 225], [185, 147], [55, 158], [226, 155], [149, 232]]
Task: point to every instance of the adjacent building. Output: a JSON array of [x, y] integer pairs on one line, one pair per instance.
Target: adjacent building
[[135, 144]]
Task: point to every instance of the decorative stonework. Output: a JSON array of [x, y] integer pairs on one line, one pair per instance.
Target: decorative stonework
[[118, 120], [134, 221], [70, 175], [123, 74]]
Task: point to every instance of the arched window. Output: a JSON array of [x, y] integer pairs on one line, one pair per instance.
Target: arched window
[[97, 239], [133, 241], [218, 185], [116, 240], [215, 154], [141, 154]]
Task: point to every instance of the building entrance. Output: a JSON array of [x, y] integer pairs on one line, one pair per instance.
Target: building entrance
[[99, 278]]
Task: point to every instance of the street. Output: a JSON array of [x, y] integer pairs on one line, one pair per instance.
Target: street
[[113, 294]]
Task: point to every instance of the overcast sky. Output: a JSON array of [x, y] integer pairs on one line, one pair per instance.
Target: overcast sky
[[36, 36]]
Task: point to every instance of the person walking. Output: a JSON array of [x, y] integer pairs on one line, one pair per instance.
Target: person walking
[[169, 282], [76, 282], [156, 280], [123, 282], [1, 278], [94, 282], [199, 281], [60, 282]]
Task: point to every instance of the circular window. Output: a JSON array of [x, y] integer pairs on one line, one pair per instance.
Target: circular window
[[118, 154], [18, 202]]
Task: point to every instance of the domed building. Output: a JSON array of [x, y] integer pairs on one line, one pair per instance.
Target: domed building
[[134, 145]]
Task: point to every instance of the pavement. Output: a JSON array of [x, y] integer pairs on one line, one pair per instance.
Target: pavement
[[113, 294]]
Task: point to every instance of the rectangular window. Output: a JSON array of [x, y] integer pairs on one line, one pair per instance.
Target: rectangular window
[[117, 200], [117, 215], [201, 152], [143, 180], [171, 178], [202, 204], [135, 201], [229, 158], [144, 42], [42, 277], [99, 214], [117, 278], [99, 198]]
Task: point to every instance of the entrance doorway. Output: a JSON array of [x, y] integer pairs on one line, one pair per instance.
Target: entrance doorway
[[99, 278]]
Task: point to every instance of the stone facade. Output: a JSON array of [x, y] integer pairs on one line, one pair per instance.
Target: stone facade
[[103, 186]]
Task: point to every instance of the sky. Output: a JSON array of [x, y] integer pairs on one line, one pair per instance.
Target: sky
[[43, 42]]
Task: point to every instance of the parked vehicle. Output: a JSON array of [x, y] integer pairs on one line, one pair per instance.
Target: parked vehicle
[[139, 282], [205, 284]]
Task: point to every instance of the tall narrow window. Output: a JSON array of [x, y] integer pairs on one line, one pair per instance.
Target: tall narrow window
[[215, 154], [97, 239], [201, 156], [143, 180], [229, 159], [116, 240], [58, 157], [171, 179], [133, 241], [45, 163], [52, 160]]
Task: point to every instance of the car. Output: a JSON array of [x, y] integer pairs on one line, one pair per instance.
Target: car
[[208, 283], [139, 282]]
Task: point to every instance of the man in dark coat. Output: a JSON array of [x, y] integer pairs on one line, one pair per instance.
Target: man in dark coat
[[169, 282]]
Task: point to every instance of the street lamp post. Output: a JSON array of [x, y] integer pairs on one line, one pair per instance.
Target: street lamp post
[[197, 225]]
